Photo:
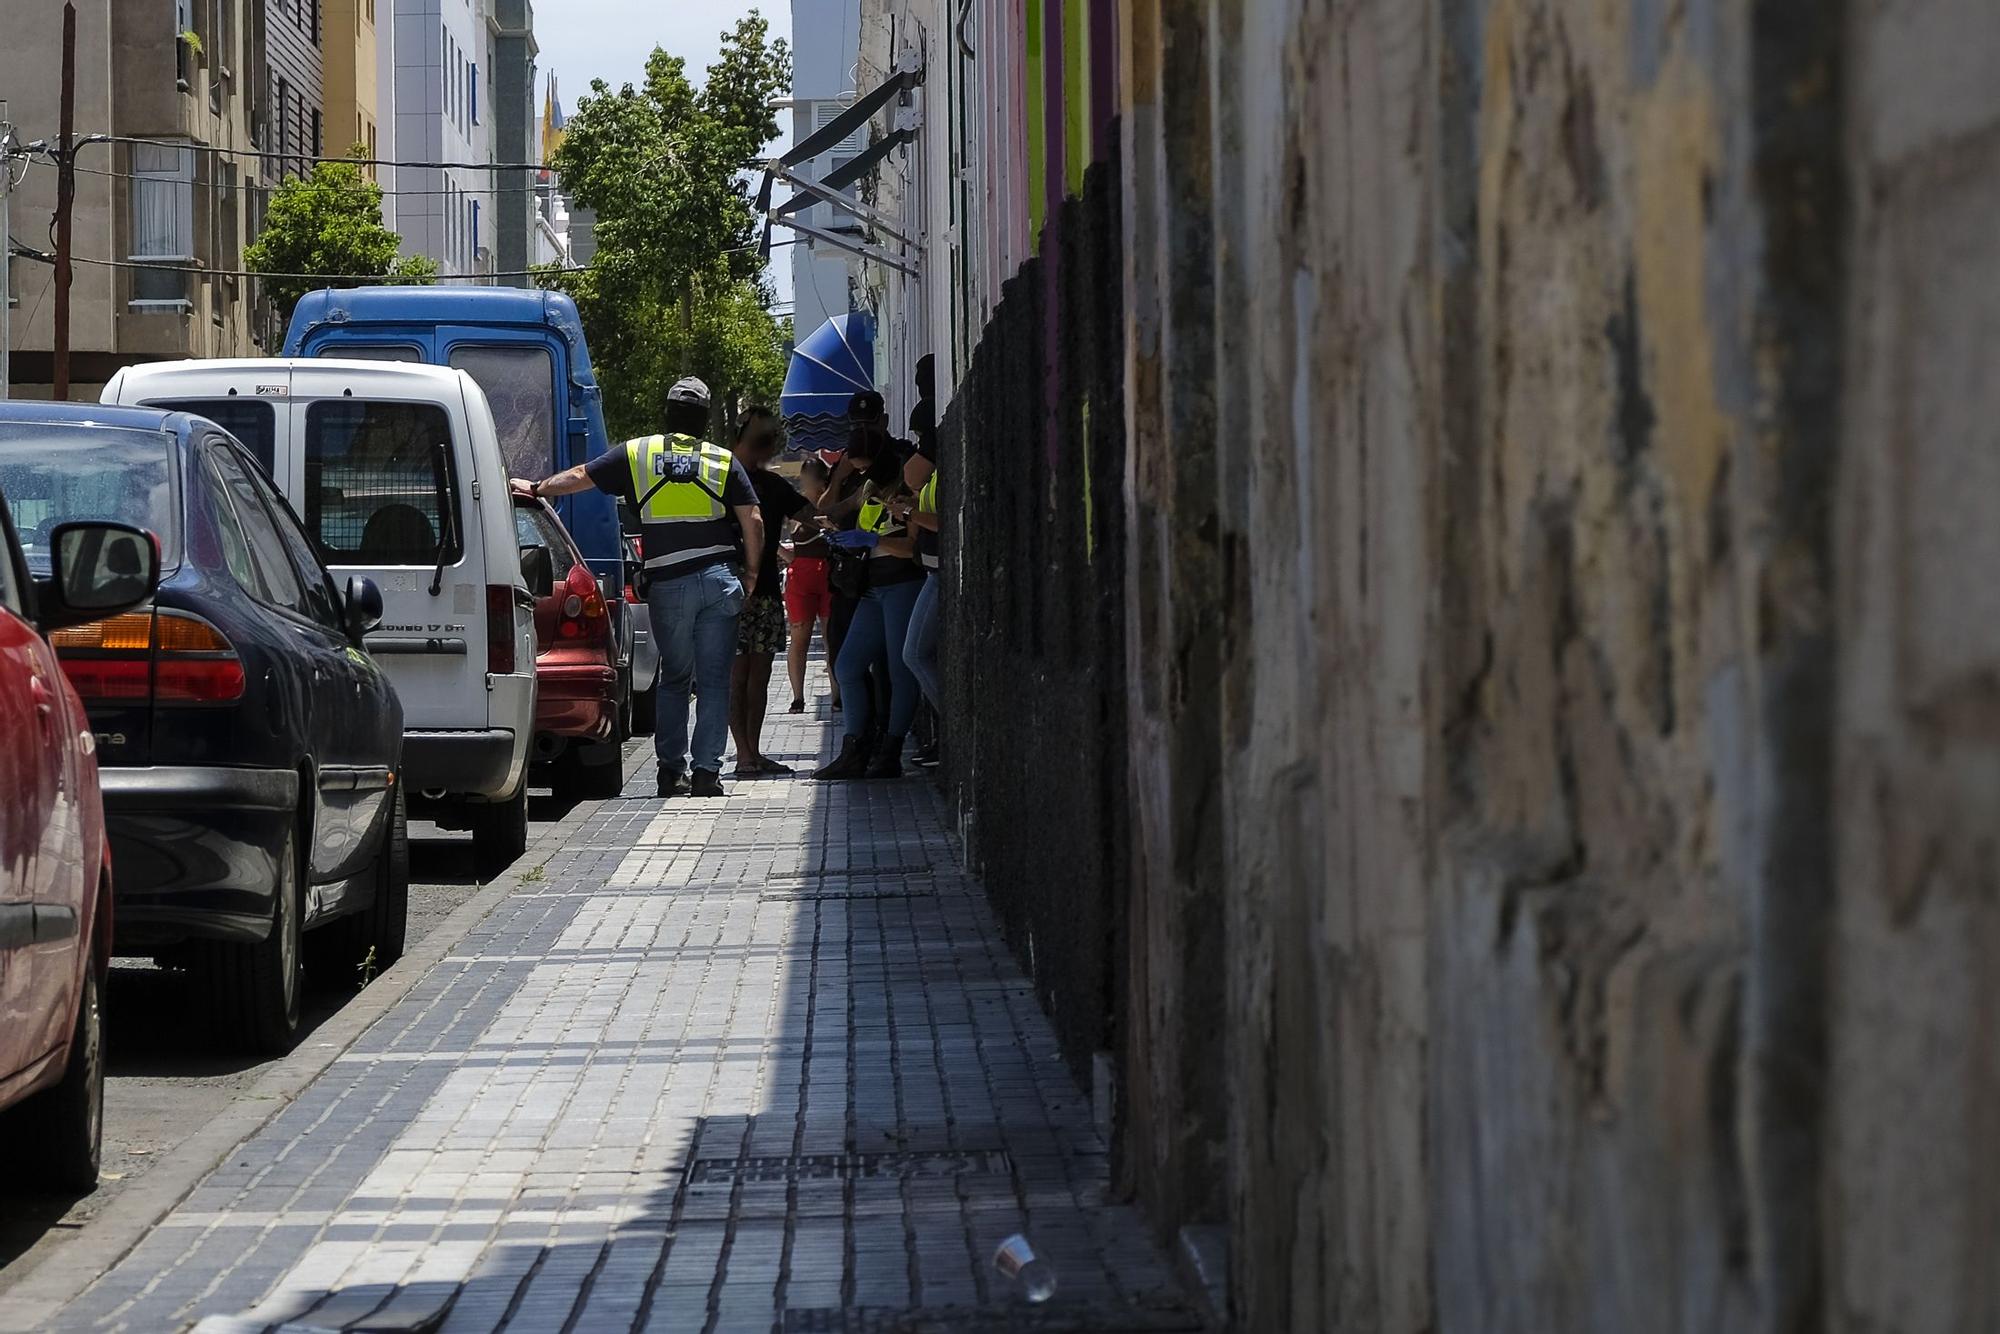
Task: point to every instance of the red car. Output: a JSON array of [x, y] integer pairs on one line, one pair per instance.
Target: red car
[[576, 668], [55, 864]]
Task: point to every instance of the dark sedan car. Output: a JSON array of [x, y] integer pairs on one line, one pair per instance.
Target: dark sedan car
[[248, 748]]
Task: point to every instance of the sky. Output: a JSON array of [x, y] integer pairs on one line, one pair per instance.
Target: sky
[[583, 40]]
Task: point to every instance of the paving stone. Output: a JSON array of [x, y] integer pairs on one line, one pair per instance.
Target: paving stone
[[725, 1065]]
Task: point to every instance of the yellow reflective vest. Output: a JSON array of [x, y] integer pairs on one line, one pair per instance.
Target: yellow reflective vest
[[678, 483]]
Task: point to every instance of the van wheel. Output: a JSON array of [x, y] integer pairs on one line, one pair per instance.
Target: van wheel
[[500, 833], [65, 1124], [255, 989], [643, 705]]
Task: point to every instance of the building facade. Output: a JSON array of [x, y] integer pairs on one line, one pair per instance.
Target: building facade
[[1482, 496], [441, 53], [826, 48], [158, 228], [516, 136], [353, 107], [295, 64]]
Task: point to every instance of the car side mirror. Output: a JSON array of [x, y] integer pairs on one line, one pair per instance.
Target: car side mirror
[[361, 611], [538, 571], [99, 570]]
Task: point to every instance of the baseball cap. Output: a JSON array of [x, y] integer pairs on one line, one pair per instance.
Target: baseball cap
[[690, 390]]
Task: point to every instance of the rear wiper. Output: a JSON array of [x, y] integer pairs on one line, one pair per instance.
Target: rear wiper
[[447, 517]]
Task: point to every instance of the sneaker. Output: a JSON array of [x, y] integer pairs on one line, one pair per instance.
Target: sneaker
[[672, 782], [707, 783]]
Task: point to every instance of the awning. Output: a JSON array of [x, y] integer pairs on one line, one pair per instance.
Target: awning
[[847, 173], [852, 119], [832, 364]]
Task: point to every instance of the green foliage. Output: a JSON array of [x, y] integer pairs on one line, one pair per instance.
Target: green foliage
[[674, 287], [328, 226]]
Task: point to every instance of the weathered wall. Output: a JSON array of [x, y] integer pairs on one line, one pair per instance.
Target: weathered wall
[[1514, 347], [1913, 1199], [1033, 643]]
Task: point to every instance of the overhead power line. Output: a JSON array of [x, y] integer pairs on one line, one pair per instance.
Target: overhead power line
[[203, 271], [239, 186], [264, 155]]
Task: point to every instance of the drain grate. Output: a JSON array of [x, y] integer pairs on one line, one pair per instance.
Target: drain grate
[[1058, 1317], [856, 872], [858, 1166]]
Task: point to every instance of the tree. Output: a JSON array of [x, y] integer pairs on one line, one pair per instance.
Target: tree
[[674, 288], [328, 227]]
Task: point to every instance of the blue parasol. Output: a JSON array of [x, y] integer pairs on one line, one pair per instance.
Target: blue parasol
[[835, 361]]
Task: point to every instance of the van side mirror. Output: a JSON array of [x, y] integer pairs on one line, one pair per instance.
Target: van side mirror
[[99, 570], [538, 572], [361, 611]]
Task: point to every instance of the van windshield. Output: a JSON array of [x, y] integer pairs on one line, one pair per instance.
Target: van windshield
[[379, 486], [56, 472], [254, 423], [520, 385]]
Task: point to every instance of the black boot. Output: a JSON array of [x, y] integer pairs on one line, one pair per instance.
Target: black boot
[[672, 782], [707, 783], [851, 763], [888, 759]]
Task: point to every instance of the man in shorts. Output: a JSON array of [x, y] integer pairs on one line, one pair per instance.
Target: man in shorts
[[760, 631]]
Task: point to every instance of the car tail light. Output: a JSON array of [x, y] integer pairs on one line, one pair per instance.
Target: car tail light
[[173, 657], [499, 629], [582, 615]]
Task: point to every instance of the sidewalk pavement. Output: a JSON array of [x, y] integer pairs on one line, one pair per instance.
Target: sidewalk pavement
[[750, 1064]]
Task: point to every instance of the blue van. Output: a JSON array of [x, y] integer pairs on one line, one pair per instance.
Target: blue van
[[526, 349]]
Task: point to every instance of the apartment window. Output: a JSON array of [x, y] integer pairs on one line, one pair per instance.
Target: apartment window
[[475, 229], [474, 85], [162, 222], [229, 208], [282, 103], [368, 10], [183, 57], [313, 5], [318, 135]]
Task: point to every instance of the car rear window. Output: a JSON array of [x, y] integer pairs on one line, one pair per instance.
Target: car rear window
[[379, 486], [520, 387], [254, 423], [55, 473]]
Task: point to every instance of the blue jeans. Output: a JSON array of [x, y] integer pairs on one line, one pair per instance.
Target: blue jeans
[[694, 625], [920, 649], [882, 618]]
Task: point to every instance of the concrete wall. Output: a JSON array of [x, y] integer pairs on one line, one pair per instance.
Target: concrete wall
[[1913, 1202], [1562, 702]]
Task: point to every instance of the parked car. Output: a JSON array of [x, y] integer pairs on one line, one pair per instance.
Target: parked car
[[526, 349], [248, 749], [55, 862], [644, 654], [397, 473], [576, 667]]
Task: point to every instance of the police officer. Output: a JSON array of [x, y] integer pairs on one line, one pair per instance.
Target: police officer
[[699, 517]]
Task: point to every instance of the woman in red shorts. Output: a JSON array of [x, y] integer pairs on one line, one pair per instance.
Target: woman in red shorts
[[808, 595]]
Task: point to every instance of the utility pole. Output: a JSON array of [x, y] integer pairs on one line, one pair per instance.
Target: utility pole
[[6, 252], [65, 199]]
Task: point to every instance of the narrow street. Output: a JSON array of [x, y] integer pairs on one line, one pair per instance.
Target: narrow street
[[708, 1065], [165, 1076]]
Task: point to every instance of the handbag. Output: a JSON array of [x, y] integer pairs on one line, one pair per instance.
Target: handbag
[[847, 571]]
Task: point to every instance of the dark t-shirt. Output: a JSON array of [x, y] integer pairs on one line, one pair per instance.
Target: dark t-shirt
[[779, 500], [678, 548]]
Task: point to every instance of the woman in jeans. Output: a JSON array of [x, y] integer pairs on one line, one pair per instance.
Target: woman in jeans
[[876, 637]]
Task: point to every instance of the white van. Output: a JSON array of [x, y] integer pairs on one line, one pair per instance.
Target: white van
[[396, 471]]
